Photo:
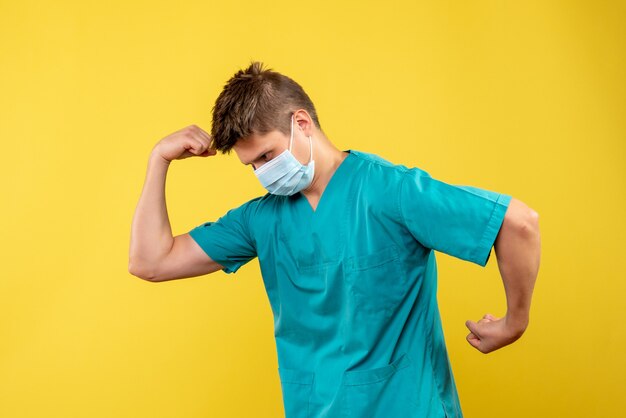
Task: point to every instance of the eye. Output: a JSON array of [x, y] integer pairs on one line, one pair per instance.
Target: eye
[[265, 156]]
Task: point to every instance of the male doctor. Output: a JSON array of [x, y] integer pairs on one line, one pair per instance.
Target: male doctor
[[345, 242]]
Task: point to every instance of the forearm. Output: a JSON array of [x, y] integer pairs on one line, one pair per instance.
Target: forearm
[[151, 233], [518, 249]]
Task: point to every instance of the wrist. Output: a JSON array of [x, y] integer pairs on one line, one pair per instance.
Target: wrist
[[155, 156], [518, 321]]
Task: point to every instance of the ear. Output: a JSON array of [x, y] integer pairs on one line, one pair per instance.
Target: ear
[[304, 122]]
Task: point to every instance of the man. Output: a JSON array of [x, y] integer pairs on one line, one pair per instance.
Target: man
[[345, 243]]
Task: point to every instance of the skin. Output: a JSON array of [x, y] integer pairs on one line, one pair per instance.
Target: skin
[[155, 255], [327, 156], [518, 251]]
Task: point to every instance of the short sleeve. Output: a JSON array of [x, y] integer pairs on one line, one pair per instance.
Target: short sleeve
[[461, 221], [228, 240]]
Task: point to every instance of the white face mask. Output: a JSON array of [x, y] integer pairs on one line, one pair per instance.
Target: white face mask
[[284, 174]]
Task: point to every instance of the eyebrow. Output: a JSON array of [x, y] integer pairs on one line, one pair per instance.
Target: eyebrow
[[259, 156]]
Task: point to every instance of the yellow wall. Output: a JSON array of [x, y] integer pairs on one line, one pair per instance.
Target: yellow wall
[[525, 98]]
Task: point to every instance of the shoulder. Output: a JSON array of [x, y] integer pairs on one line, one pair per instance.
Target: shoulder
[[373, 159], [380, 182], [374, 164]]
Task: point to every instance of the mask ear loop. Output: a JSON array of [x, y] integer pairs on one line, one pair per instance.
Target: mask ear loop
[[291, 139], [310, 141]]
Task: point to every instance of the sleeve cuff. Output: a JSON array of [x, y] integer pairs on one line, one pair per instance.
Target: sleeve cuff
[[229, 266], [483, 251]]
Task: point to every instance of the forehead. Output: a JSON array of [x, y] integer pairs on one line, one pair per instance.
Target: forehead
[[250, 148]]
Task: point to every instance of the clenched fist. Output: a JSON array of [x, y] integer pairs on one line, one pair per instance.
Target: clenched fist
[[491, 333], [187, 142]]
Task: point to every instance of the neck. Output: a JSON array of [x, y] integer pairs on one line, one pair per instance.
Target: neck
[[327, 158]]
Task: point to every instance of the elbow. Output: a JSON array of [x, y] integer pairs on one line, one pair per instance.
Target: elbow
[[529, 227], [139, 271], [521, 219]]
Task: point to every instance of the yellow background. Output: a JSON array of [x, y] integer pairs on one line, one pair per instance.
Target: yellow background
[[525, 98]]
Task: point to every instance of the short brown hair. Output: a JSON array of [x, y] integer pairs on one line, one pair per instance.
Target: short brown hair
[[256, 101]]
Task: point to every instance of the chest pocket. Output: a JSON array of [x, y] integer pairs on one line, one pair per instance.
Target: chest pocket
[[376, 283]]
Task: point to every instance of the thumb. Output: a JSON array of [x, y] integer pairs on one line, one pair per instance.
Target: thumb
[[473, 340], [207, 152]]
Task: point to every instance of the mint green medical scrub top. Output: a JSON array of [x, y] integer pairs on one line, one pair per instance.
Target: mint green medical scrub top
[[353, 284]]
